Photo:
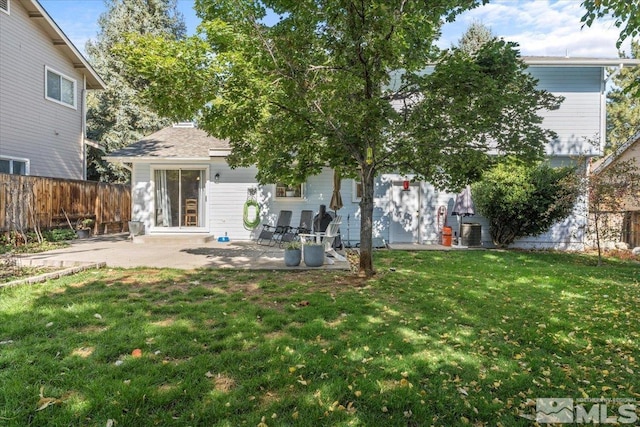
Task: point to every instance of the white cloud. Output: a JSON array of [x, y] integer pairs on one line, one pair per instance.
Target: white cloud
[[541, 27]]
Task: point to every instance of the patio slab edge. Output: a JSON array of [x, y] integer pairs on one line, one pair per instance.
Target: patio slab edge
[[54, 274]]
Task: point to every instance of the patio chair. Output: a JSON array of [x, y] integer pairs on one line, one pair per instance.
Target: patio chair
[[291, 234], [271, 234], [329, 238]]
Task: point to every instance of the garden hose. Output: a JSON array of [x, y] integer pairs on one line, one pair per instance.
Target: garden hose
[[251, 224]]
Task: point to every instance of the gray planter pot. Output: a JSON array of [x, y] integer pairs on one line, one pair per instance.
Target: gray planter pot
[[292, 257], [83, 233], [314, 255], [135, 227]]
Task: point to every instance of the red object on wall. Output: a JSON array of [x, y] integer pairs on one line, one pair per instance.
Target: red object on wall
[[405, 185]]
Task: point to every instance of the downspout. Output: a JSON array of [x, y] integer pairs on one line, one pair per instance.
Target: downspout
[[84, 127], [603, 105]]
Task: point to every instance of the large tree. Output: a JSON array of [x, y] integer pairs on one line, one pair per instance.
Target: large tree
[[623, 110], [345, 84], [116, 117]]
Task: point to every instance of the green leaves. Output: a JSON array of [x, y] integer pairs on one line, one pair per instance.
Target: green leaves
[[522, 201], [625, 14], [313, 90]]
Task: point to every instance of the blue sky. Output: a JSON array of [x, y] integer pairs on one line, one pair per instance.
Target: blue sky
[[541, 27]]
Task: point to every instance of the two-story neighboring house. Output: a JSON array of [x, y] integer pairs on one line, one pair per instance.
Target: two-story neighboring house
[[43, 85]]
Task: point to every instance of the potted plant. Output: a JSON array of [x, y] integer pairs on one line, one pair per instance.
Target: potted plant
[[292, 254], [290, 191], [83, 227], [313, 254]]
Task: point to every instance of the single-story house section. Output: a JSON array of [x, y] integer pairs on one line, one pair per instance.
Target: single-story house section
[[629, 215], [181, 182]]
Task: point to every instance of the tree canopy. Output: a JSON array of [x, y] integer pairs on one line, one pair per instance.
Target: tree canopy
[[115, 116], [624, 12], [623, 111], [476, 35], [358, 86]]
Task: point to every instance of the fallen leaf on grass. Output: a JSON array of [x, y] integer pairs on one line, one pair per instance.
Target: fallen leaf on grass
[[45, 402]]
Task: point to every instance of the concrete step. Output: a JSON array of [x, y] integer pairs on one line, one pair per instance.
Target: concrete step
[[174, 238]]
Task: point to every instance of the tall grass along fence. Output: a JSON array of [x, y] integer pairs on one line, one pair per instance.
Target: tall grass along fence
[[34, 203]]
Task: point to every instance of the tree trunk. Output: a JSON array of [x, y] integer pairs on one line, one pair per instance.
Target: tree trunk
[[366, 225]]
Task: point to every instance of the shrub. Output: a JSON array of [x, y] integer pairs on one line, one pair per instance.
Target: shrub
[[521, 200], [59, 235]]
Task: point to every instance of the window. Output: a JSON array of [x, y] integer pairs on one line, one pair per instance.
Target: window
[[60, 88], [4, 6], [284, 191], [356, 191], [14, 166]]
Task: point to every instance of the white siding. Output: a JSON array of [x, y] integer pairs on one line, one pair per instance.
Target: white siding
[[47, 133], [226, 199], [579, 118], [142, 195]]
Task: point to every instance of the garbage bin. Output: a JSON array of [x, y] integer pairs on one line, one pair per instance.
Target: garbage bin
[[471, 234], [446, 236]]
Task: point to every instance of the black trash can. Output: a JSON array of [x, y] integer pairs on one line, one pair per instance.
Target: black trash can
[[471, 234]]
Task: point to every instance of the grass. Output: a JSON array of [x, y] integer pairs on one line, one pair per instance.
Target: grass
[[437, 338]]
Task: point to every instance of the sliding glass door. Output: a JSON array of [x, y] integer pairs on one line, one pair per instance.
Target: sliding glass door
[[179, 197]]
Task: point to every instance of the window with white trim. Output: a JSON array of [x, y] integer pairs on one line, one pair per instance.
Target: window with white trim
[[284, 191], [356, 191], [14, 166], [4, 6], [60, 88]]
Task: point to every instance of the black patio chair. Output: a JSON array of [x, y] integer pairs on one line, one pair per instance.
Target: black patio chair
[[306, 222], [272, 234]]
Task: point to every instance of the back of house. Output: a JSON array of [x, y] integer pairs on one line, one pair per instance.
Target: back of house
[[183, 163]]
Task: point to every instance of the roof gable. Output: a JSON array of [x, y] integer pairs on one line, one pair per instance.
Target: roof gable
[[603, 163]]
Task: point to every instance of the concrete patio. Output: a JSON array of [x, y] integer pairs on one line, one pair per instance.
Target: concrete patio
[[182, 252]]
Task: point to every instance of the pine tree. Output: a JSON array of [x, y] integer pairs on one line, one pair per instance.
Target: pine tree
[[623, 111], [116, 116], [476, 35]]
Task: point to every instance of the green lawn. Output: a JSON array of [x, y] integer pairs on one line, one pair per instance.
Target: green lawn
[[437, 338]]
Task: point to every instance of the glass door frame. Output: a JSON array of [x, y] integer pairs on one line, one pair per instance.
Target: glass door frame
[[202, 198]]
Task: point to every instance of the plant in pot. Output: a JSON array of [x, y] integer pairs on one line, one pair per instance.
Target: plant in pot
[[290, 191], [83, 227], [292, 254], [313, 254]]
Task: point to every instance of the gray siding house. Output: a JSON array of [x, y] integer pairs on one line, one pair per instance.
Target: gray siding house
[[43, 85], [182, 163]]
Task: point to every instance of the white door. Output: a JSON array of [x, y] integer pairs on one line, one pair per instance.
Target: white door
[[405, 215]]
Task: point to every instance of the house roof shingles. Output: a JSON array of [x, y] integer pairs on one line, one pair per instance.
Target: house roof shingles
[[171, 143]]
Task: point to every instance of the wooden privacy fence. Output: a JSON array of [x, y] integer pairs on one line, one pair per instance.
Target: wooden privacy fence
[[29, 200]]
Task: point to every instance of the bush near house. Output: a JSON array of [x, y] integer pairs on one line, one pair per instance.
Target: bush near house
[[525, 200]]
